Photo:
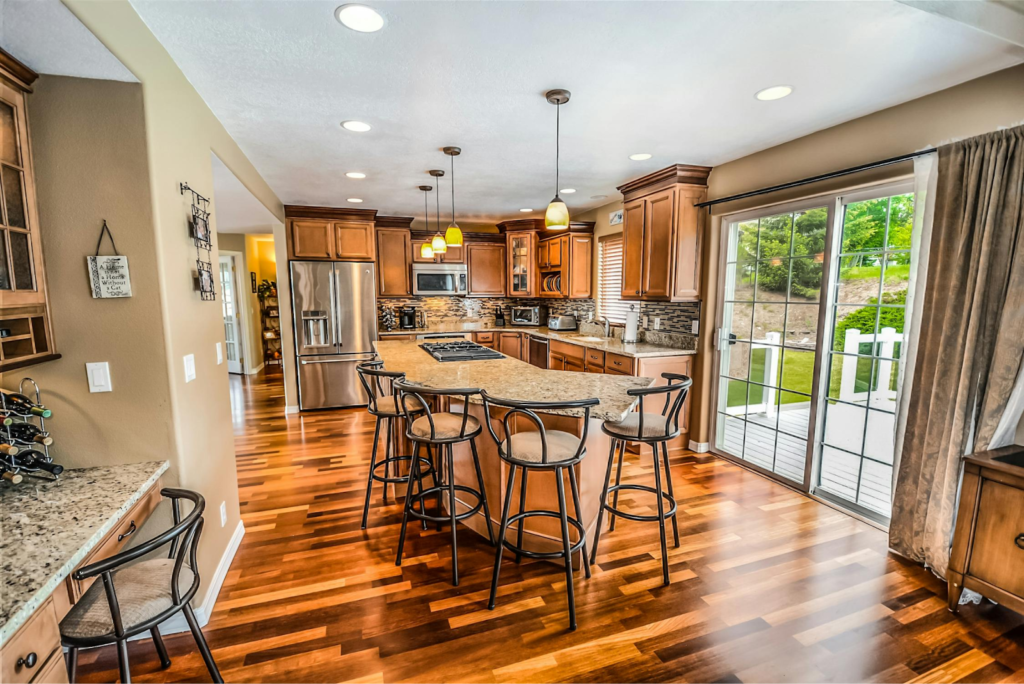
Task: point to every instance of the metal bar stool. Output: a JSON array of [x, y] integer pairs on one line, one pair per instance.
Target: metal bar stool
[[543, 449], [147, 593], [383, 405], [655, 429], [441, 430]]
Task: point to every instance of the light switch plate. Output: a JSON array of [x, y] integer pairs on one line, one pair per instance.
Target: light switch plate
[[190, 368], [220, 354], [657, 323], [644, 321], [99, 376], [695, 326]]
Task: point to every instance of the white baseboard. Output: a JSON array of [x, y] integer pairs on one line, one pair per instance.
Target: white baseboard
[[291, 409], [177, 623], [254, 371], [700, 447]]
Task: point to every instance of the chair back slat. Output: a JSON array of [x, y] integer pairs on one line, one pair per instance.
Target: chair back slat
[[528, 410], [373, 377], [674, 391], [404, 390]]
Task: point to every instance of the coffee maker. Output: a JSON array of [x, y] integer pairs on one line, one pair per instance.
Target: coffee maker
[[407, 317]]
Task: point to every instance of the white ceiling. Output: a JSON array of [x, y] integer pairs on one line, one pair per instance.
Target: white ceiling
[[49, 39], [236, 209]]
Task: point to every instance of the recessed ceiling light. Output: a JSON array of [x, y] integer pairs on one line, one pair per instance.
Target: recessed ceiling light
[[599, 197], [355, 126], [774, 93], [568, 191], [640, 157], [359, 18], [355, 174], [526, 210], [354, 200]]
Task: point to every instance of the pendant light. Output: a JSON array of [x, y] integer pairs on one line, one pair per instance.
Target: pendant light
[[426, 250], [437, 243], [453, 236], [557, 215]]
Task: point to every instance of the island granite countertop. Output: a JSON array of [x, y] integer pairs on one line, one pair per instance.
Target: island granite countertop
[[609, 344], [49, 527], [510, 378]]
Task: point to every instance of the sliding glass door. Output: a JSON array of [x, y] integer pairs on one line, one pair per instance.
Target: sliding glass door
[[768, 343], [811, 317]]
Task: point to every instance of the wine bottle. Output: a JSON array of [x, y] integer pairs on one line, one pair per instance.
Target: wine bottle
[[36, 460], [22, 405], [29, 433], [9, 449]]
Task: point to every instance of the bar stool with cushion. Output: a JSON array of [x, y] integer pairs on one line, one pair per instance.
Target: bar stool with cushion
[[441, 430], [132, 599], [382, 403], [541, 449], [655, 429]]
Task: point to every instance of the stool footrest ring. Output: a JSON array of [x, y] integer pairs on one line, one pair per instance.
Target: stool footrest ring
[[420, 498], [637, 516], [400, 459], [544, 554]]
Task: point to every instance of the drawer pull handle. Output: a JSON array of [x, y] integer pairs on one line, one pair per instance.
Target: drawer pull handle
[[28, 661], [1019, 541], [130, 532]]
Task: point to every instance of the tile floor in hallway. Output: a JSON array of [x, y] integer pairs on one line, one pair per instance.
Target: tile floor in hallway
[[768, 585]]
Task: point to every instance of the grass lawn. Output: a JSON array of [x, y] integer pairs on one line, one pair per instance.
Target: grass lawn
[[797, 374]]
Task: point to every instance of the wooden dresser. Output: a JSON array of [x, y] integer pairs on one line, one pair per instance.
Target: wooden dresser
[[988, 543]]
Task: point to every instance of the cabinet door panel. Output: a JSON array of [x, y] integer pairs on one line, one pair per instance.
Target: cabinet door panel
[[355, 240], [521, 264], [686, 281], [996, 557], [454, 255], [417, 244], [486, 266], [312, 240], [659, 223], [510, 344], [581, 265], [632, 249], [393, 256]]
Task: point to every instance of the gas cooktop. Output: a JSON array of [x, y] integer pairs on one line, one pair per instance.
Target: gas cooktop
[[459, 350]]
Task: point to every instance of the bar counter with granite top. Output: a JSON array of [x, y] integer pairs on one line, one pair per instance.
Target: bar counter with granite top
[[514, 379], [49, 527]]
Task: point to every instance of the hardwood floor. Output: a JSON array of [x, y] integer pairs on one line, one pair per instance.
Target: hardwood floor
[[768, 585]]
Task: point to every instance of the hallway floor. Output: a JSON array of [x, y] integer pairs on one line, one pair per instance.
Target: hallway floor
[[768, 585]]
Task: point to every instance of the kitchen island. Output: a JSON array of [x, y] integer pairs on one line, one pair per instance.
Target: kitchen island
[[513, 379]]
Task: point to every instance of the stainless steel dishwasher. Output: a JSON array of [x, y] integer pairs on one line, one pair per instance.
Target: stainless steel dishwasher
[[538, 351]]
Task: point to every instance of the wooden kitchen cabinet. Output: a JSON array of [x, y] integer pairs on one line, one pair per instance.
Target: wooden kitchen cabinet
[[332, 234], [485, 339], [354, 240], [565, 265], [394, 254], [312, 239], [594, 361], [988, 542], [662, 234], [521, 263], [451, 255], [485, 263], [511, 344]]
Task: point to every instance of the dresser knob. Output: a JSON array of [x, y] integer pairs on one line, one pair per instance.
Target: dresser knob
[[28, 661], [1019, 541]]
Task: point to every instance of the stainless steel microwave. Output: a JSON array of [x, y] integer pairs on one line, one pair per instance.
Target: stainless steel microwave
[[439, 279]]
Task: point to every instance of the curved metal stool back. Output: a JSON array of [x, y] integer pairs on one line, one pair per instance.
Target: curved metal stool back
[[655, 429], [383, 403], [434, 429], [183, 538], [556, 459]]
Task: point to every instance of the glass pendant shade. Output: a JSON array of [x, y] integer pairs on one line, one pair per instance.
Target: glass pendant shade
[[453, 236], [426, 251], [557, 215], [438, 245]]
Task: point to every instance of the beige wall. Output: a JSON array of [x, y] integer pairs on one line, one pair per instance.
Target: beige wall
[[181, 132], [89, 147], [966, 110], [253, 352]]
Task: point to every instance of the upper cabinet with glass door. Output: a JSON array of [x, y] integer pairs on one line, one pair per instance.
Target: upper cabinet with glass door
[[25, 336]]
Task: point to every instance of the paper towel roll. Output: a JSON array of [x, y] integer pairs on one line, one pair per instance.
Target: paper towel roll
[[632, 320]]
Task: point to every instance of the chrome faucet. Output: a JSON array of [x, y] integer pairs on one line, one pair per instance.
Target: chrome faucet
[[607, 326]]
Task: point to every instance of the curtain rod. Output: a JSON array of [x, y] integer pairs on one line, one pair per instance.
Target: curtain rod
[[815, 179]]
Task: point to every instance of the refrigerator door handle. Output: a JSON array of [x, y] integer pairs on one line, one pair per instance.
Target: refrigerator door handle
[[334, 318], [368, 357]]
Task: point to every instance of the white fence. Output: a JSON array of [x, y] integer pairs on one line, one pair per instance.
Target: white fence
[[884, 345]]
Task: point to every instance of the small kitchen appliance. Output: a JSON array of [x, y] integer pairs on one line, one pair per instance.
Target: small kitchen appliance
[[562, 323], [407, 317], [529, 315]]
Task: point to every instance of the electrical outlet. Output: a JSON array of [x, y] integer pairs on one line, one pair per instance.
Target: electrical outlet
[[695, 326], [223, 513], [657, 323], [645, 321], [220, 354], [190, 367]]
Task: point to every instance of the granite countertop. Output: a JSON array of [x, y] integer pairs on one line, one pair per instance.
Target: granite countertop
[[50, 526], [514, 379], [610, 344]]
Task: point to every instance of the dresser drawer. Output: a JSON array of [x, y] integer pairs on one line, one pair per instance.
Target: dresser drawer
[[617, 363], [34, 641], [117, 538], [997, 555]]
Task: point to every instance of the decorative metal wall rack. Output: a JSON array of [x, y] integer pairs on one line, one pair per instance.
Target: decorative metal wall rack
[[199, 231]]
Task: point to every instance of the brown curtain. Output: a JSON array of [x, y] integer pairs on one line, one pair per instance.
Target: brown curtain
[[971, 336]]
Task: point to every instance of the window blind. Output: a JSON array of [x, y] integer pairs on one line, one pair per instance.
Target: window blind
[[609, 280]]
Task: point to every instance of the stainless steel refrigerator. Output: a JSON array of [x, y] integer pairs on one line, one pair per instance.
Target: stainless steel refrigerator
[[335, 311]]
